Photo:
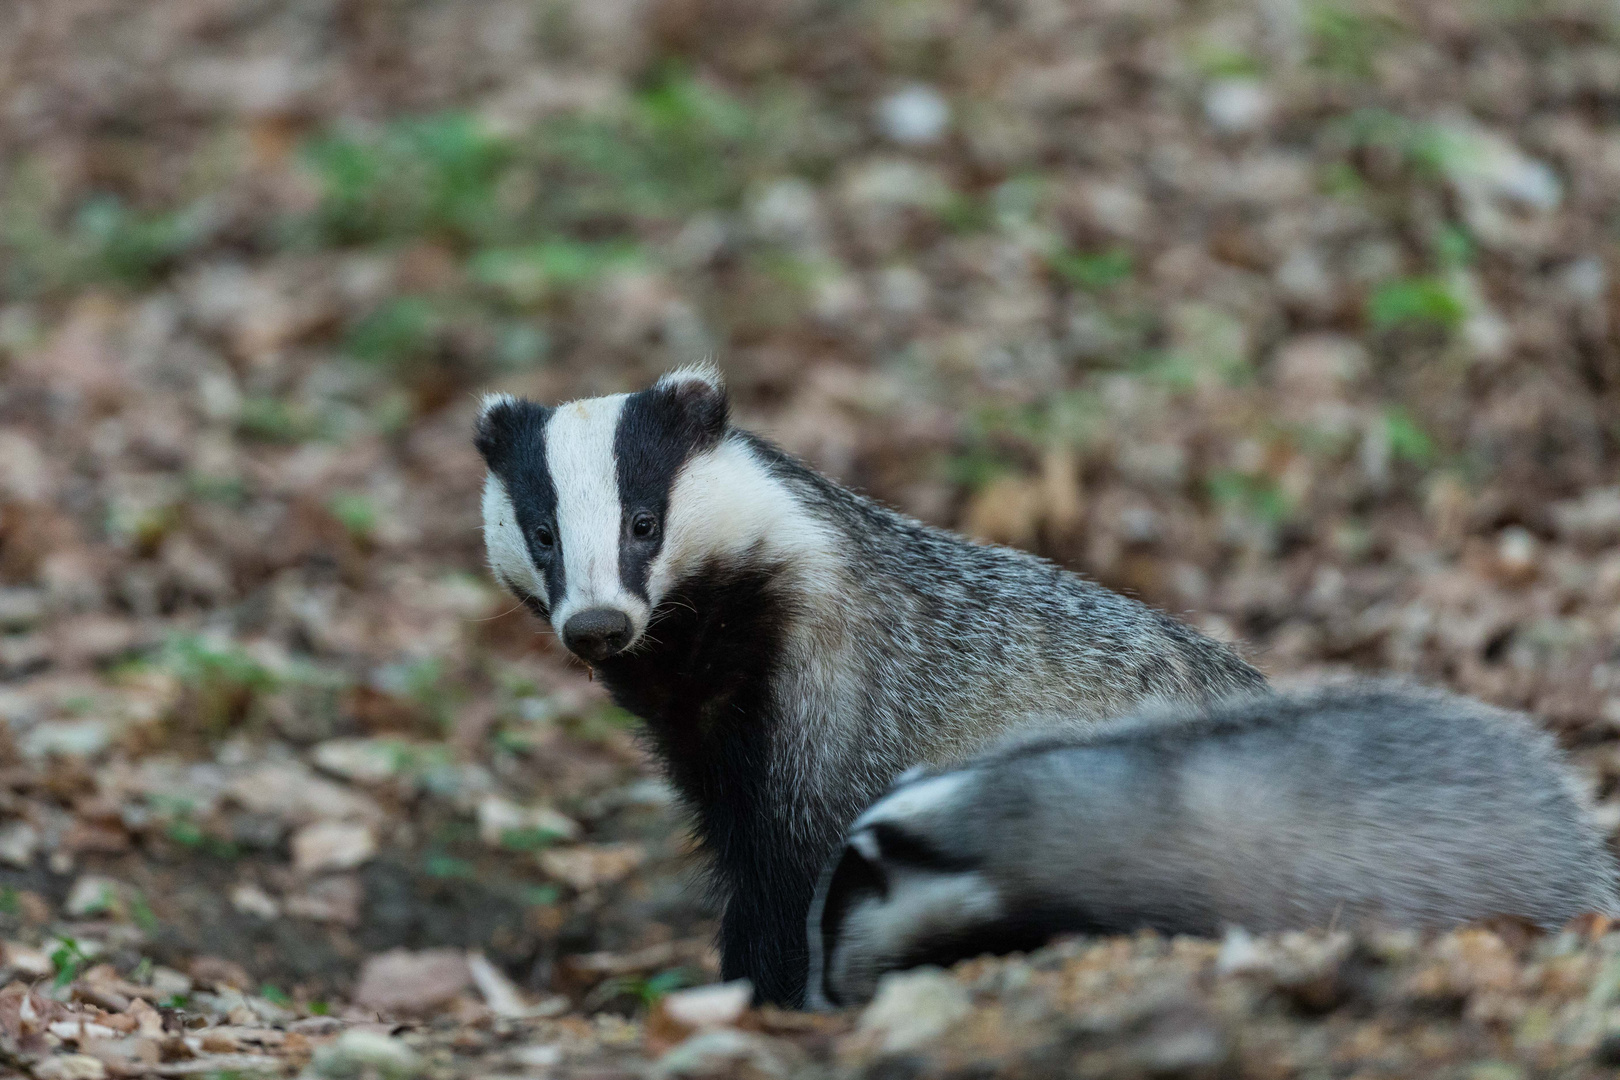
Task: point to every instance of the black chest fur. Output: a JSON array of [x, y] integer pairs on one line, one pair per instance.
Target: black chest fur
[[701, 680]]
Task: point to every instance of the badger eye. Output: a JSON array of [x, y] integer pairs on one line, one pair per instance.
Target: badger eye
[[643, 525], [544, 536]]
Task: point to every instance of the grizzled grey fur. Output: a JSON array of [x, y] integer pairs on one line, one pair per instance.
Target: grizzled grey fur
[[1346, 803], [791, 645]]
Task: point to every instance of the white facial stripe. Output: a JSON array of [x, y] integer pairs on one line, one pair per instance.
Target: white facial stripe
[[503, 541], [725, 503], [579, 452], [914, 800]]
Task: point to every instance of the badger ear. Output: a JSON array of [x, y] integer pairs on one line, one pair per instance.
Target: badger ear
[[501, 422], [699, 394]]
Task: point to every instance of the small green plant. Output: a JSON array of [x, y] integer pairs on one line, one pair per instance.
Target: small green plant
[[356, 513], [1095, 272], [540, 895], [1415, 301], [435, 176], [1453, 247], [69, 959], [402, 333], [1254, 496], [10, 903], [1407, 441], [130, 248], [1345, 40], [527, 276], [647, 990], [448, 867], [220, 682], [528, 839], [275, 995], [1223, 62], [141, 913], [318, 1008], [273, 420], [422, 682], [188, 834]]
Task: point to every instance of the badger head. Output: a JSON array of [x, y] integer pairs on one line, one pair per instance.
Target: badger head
[[595, 510], [910, 887]]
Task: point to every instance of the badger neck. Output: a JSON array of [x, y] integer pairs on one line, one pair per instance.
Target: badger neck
[[750, 571]]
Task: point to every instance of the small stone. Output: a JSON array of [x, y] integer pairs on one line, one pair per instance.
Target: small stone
[[788, 212], [332, 845], [1517, 552], [404, 982], [727, 1052], [93, 895], [709, 1006], [364, 761], [68, 738], [500, 993], [543, 1056], [249, 899], [917, 115], [355, 1052], [335, 898], [21, 608], [587, 866], [169, 983], [1592, 519], [27, 962], [70, 1067], [19, 843], [500, 819], [914, 1008], [1235, 106]]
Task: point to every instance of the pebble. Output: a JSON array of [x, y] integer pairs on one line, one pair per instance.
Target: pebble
[[727, 1052], [332, 845], [914, 1008], [916, 115], [359, 1052], [19, 843], [249, 899], [709, 1006], [403, 982], [68, 738], [94, 895], [70, 1067], [1235, 106]]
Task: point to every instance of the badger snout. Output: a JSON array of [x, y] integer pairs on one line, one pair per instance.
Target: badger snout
[[596, 633]]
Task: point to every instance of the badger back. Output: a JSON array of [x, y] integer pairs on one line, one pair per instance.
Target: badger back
[[1375, 801]]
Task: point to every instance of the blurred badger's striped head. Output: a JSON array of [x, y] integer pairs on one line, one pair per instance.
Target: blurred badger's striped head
[[594, 510]]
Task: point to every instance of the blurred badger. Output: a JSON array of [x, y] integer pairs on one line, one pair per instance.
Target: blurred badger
[[792, 646], [1365, 801]]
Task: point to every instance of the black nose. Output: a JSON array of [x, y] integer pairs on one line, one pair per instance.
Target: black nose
[[596, 633]]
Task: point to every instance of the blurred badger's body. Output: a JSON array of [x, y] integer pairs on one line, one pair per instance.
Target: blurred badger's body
[[1369, 801], [792, 646]]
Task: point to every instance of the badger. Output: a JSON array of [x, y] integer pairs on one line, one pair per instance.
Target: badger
[[1372, 801], [792, 646]]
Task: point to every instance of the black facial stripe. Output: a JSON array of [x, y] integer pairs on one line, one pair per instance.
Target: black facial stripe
[[854, 879], [659, 431], [512, 439], [896, 845]]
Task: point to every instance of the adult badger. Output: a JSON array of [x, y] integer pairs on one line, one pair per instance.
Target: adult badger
[[1347, 803], [790, 645]]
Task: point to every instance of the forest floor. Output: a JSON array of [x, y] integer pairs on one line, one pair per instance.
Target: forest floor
[[1298, 319]]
